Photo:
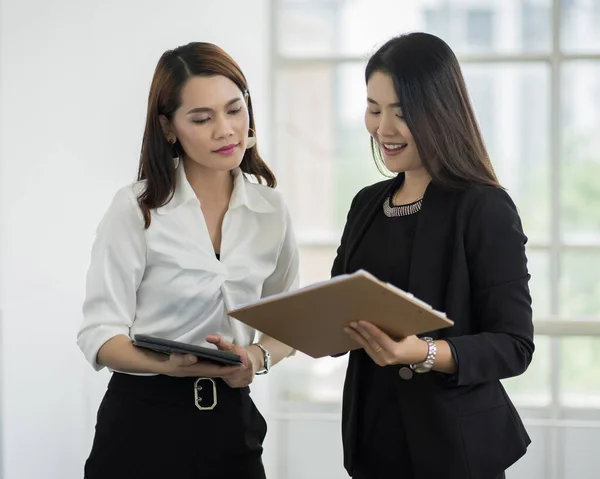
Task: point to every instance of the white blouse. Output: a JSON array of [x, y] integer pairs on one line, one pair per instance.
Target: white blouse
[[166, 280]]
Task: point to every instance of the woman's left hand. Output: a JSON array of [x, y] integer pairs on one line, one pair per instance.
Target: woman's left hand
[[384, 350], [251, 359]]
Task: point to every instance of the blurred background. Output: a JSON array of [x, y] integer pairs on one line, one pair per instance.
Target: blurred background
[[74, 79]]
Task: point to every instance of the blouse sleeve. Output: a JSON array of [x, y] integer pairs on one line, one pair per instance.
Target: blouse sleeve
[[117, 265], [286, 274]]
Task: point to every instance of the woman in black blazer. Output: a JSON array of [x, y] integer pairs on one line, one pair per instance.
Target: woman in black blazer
[[443, 229]]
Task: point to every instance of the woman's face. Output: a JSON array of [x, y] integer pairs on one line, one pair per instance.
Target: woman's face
[[212, 122], [385, 122]]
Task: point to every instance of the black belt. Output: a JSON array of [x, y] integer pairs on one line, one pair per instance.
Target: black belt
[[202, 392]]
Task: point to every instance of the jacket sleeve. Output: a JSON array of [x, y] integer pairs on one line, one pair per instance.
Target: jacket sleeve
[[501, 301]]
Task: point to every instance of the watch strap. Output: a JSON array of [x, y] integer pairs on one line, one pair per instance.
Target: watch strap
[[427, 365], [266, 359]]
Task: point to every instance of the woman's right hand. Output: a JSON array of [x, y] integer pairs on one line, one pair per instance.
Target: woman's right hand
[[188, 365]]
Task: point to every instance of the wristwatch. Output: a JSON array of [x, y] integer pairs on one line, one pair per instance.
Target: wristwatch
[[425, 366], [266, 358]]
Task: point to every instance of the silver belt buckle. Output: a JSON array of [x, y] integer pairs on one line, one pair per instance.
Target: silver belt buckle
[[202, 388]]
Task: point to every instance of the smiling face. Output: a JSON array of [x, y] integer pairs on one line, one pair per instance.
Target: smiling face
[[211, 123], [385, 122]]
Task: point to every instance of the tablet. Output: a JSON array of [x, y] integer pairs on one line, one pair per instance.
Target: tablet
[[167, 346]]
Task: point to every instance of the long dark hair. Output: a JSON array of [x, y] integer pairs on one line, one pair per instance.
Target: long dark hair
[[436, 107], [173, 70]]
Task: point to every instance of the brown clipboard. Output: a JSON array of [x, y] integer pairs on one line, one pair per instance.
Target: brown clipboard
[[312, 319]]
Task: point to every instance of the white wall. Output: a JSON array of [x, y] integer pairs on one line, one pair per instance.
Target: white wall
[[74, 78]]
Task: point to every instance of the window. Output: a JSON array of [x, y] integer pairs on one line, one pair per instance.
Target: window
[[534, 78], [480, 28]]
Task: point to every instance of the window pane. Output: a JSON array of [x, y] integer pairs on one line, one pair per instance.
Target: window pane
[[511, 103], [580, 195], [533, 387], [357, 27], [580, 284], [311, 448], [579, 372], [316, 262], [322, 138], [580, 21], [581, 452], [307, 384]]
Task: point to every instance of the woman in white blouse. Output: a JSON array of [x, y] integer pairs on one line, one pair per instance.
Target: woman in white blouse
[[175, 250]]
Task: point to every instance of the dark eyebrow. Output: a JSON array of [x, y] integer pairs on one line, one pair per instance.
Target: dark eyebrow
[[204, 110], [393, 105]]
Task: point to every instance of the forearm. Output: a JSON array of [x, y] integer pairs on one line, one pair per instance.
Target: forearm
[[120, 354]]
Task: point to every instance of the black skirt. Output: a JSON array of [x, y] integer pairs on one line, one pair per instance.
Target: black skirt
[[158, 427]]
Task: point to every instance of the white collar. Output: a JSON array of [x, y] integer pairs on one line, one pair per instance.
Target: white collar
[[244, 193]]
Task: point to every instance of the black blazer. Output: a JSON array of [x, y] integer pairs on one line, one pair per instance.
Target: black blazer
[[469, 261]]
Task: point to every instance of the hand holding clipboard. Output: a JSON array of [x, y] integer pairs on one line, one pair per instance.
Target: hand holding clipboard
[[312, 319]]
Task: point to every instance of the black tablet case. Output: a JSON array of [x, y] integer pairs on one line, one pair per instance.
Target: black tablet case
[[167, 346]]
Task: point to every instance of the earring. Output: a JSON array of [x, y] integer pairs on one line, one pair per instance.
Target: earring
[[251, 140], [174, 151]]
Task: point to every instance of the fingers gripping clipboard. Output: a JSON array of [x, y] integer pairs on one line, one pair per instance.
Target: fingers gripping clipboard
[[312, 319]]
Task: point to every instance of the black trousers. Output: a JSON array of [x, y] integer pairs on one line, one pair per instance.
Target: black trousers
[[150, 427], [397, 475]]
